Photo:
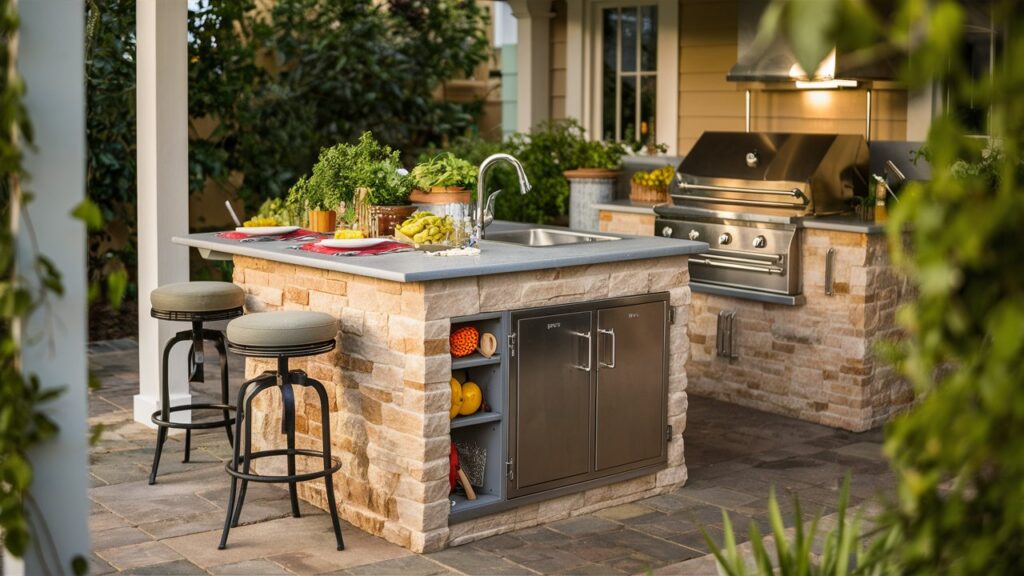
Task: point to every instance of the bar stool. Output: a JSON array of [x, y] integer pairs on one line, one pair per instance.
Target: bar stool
[[281, 335], [194, 302]]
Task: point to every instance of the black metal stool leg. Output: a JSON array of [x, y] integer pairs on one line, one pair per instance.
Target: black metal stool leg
[[188, 446], [265, 382], [218, 340], [288, 427], [242, 412], [325, 426], [165, 405]]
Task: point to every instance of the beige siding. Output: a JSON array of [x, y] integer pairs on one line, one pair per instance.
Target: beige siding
[[559, 27], [707, 49]]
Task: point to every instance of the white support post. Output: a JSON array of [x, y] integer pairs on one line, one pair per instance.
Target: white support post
[[533, 54], [162, 102], [51, 60]]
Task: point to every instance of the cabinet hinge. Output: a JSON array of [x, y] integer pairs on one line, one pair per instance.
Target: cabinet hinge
[[512, 344], [509, 470], [668, 433]]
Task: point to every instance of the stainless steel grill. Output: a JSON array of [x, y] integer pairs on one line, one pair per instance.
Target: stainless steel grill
[[745, 194]]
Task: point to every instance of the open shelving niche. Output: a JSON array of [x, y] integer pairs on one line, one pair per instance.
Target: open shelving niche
[[486, 429]]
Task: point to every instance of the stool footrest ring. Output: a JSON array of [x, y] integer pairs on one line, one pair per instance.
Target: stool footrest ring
[[159, 421], [285, 479]]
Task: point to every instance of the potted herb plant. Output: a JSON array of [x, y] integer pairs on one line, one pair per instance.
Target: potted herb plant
[[593, 170], [443, 179], [337, 174], [388, 187]]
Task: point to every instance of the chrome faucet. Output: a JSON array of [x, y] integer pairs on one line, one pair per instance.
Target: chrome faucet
[[485, 215]]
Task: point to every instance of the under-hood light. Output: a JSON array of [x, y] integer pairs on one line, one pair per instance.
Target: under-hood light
[[825, 84]]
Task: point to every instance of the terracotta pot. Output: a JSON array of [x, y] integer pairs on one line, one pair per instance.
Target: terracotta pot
[[387, 217], [591, 174], [441, 195], [323, 220]]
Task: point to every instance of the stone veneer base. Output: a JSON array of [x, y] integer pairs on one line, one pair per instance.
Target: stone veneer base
[[816, 362], [388, 390]]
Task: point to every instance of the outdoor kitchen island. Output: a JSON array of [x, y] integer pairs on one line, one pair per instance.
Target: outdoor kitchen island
[[593, 421]]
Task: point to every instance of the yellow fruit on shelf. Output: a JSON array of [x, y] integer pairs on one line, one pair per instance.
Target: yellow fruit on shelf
[[456, 399], [472, 398], [348, 234]]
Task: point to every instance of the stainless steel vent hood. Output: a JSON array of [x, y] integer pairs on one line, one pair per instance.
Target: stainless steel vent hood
[[776, 63]]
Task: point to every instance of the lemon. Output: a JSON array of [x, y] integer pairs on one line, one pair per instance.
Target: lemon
[[472, 397], [348, 234], [456, 399]]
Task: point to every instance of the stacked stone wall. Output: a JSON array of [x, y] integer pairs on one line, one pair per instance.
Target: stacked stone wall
[[387, 385], [817, 361]]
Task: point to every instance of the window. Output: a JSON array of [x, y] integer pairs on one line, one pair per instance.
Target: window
[[629, 72]]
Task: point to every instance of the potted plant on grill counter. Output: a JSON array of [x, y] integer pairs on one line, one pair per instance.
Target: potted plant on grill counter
[[336, 177], [592, 171], [443, 179]]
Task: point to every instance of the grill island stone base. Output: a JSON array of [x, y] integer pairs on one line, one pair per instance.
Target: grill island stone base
[[388, 389], [816, 361]]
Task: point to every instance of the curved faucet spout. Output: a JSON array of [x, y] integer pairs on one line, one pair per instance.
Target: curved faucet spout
[[484, 215]]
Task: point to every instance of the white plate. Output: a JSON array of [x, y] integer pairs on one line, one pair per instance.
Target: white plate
[[266, 230], [351, 242]]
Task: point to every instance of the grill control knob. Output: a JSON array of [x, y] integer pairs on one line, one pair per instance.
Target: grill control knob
[[760, 242], [724, 238], [693, 234], [666, 231]]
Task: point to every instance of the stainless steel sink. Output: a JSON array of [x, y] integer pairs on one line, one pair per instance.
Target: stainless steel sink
[[540, 237]]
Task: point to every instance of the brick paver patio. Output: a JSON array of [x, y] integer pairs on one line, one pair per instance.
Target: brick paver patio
[[734, 455]]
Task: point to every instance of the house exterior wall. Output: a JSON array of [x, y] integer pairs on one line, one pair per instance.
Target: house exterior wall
[[708, 49], [559, 61]]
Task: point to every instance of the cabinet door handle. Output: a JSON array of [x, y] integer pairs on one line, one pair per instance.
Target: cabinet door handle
[[590, 352], [612, 334]]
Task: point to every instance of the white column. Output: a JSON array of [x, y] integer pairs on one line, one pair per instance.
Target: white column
[[162, 101], [51, 60], [575, 64], [533, 54]]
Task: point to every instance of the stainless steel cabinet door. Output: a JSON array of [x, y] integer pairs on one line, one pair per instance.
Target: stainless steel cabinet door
[[550, 426], [631, 385]]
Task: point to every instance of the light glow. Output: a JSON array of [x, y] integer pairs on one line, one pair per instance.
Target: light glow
[[825, 84]]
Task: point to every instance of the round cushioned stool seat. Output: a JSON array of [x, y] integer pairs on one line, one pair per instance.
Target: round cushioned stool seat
[[197, 297], [282, 329]]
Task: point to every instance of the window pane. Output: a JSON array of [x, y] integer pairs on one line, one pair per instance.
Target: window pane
[[629, 126], [648, 98], [629, 39], [610, 41], [649, 37]]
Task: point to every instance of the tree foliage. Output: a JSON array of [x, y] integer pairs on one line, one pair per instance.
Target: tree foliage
[[270, 84]]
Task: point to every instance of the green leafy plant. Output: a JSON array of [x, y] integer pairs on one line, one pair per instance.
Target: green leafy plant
[[386, 184], [596, 154], [444, 170], [794, 555], [342, 169]]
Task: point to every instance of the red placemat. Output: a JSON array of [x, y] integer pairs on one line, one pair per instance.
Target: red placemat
[[382, 248], [233, 235]]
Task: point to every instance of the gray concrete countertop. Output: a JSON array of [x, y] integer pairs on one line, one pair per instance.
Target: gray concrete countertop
[[627, 206], [495, 257], [843, 224]]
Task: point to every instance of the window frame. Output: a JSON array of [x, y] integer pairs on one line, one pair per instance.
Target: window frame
[[584, 98]]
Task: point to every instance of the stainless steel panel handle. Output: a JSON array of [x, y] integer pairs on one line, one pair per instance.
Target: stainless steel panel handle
[[737, 266], [590, 351], [739, 202], [793, 192], [612, 334], [830, 258], [765, 260]]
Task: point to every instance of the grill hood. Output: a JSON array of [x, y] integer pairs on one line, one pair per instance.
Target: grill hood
[[776, 63], [773, 173]]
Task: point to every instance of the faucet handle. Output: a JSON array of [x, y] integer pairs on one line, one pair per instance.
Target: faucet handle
[[489, 208]]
